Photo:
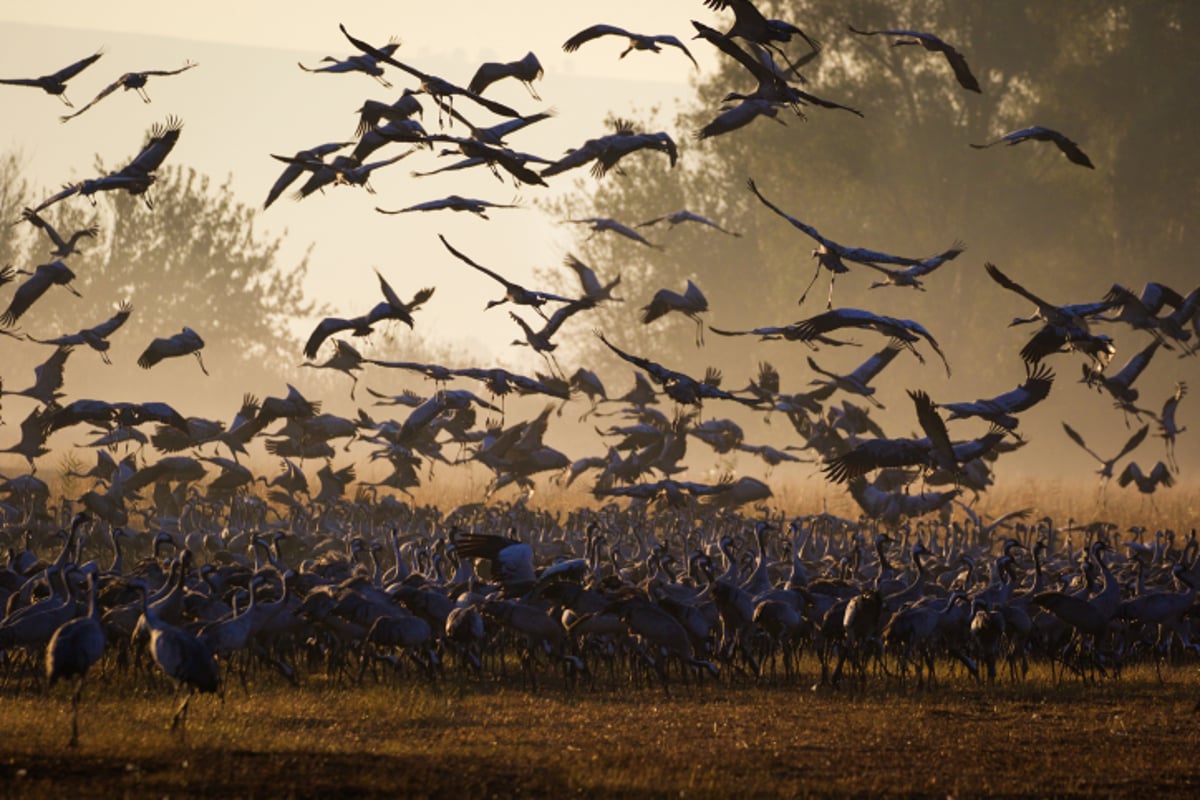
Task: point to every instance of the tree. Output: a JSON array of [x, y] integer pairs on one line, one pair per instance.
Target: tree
[[902, 179], [193, 260]]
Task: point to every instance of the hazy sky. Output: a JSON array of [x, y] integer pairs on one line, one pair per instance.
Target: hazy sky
[[249, 99]]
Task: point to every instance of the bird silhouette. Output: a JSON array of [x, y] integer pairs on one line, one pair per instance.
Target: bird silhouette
[[130, 80], [1039, 134], [56, 82], [367, 64], [186, 342], [95, 337], [527, 70], [691, 304], [962, 72], [62, 247], [54, 273], [637, 41], [137, 176]]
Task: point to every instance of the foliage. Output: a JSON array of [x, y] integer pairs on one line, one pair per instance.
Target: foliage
[[902, 179], [193, 260]]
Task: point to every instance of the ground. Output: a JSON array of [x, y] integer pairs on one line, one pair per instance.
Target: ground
[[399, 737]]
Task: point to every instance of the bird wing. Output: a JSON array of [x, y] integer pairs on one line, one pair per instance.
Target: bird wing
[[962, 71], [867, 371], [294, 170], [673, 41], [663, 302], [68, 72], [383, 55], [727, 46], [105, 92], [48, 376], [24, 297], [808, 229], [1008, 283], [1161, 474], [1136, 365], [594, 32], [649, 366], [66, 192], [108, 327], [1077, 439], [589, 150], [1070, 149], [935, 428], [1133, 442], [31, 216], [1131, 473], [463, 258], [1035, 389], [487, 74], [162, 139]]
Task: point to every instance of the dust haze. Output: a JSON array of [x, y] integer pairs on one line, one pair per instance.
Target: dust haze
[[900, 179]]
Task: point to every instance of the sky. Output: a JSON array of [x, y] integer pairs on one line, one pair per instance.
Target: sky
[[249, 99]]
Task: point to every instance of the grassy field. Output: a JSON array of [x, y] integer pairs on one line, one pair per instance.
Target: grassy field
[[1133, 736]]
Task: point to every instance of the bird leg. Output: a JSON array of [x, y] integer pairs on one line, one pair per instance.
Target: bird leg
[[532, 92], [179, 721], [384, 81], [200, 361], [75, 713], [804, 294]]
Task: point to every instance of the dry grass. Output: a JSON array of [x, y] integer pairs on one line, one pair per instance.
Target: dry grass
[[1126, 737]]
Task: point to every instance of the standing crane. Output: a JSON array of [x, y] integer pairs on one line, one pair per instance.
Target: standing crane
[[74, 648], [181, 656]]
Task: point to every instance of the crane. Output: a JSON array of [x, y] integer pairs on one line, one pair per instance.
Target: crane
[[74, 647], [637, 41], [137, 176], [958, 63], [130, 80], [513, 292], [527, 70], [186, 342], [679, 217], [691, 304], [367, 64], [56, 82], [95, 337], [53, 273], [1037, 133], [62, 247]]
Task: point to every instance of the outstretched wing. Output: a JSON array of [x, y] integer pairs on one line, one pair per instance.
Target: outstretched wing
[[594, 32]]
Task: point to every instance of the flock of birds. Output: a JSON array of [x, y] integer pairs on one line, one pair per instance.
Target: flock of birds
[[684, 579]]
